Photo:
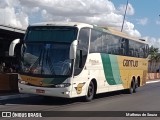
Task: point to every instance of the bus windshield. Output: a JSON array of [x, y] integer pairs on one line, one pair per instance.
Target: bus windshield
[[46, 51], [51, 34]]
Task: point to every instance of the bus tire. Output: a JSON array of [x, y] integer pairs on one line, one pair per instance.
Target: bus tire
[[132, 88], [135, 86], [90, 92]]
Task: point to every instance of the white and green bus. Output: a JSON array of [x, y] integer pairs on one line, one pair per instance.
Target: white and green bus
[[68, 59]]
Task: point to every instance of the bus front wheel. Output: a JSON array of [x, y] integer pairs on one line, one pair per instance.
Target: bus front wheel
[[90, 92]]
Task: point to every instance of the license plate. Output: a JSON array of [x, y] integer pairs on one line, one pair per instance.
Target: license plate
[[40, 91]]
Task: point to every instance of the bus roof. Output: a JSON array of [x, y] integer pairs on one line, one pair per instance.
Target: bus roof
[[122, 34], [81, 25], [76, 24]]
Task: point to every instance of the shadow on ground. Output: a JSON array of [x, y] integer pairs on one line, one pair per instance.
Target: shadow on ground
[[45, 100]]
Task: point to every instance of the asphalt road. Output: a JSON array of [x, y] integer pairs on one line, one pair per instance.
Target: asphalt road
[[147, 98]]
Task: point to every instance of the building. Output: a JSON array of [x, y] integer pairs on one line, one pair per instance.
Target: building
[[7, 35]]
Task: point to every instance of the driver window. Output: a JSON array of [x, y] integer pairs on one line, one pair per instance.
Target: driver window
[[82, 50]]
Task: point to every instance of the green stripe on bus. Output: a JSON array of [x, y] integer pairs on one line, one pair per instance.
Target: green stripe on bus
[[115, 69], [108, 69]]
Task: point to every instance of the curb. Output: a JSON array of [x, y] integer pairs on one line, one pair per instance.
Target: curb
[[152, 81]]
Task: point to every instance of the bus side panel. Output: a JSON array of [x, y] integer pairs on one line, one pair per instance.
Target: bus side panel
[[112, 72], [130, 68], [92, 70]]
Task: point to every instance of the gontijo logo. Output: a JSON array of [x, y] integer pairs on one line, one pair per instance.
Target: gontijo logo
[[130, 63]]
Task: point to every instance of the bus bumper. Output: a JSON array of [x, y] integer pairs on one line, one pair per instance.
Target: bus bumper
[[55, 92]]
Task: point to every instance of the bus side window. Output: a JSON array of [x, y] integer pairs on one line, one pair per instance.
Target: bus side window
[[146, 51], [80, 59], [136, 53], [121, 51], [131, 52], [124, 48], [141, 52]]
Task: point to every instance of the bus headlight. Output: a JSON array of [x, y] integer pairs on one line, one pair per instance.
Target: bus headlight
[[63, 85], [22, 82]]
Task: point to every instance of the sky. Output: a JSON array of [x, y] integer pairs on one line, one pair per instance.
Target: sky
[[142, 18]]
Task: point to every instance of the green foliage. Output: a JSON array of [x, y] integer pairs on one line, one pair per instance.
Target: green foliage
[[154, 59], [153, 52]]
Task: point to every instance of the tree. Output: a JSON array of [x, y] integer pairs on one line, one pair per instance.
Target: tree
[[154, 58]]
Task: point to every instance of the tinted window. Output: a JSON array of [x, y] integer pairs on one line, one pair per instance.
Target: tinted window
[[82, 50], [110, 44], [96, 41], [46, 59], [102, 42], [137, 49], [51, 33]]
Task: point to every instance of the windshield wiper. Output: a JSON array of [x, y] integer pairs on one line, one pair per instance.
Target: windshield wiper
[[39, 59]]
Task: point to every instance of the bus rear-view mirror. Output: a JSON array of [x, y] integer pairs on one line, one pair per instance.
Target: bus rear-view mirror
[[12, 46]]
